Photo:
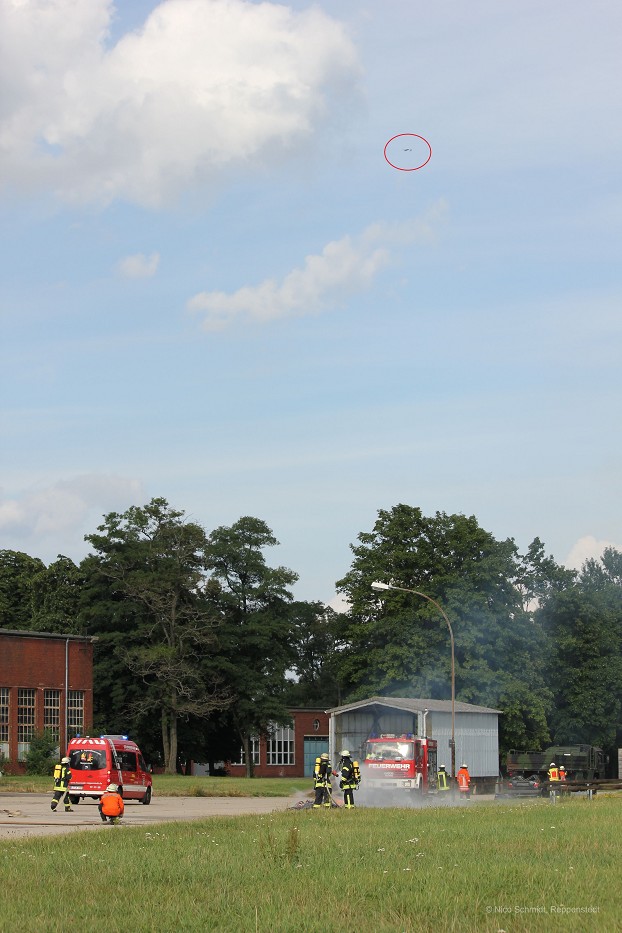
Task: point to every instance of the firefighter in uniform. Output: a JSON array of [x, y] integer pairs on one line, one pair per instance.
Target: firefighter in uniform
[[62, 777], [350, 778], [553, 780], [464, 779], [322, 774], [562, 773], [441, 779], [553, 772], [111, 804]]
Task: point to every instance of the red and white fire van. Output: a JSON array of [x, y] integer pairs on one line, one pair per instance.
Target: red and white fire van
[[109, 759]]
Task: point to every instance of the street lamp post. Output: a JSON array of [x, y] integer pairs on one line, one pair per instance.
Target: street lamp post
[[387, 586]]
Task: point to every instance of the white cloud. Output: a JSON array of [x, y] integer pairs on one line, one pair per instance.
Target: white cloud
[[203, 86], [343, 267], [53, 519], [139, 266], [587, 548]]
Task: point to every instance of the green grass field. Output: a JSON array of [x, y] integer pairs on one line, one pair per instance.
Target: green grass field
[[478, 867], [176, 785]]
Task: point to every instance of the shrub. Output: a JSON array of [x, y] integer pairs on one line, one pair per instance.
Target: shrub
[[42, 754]]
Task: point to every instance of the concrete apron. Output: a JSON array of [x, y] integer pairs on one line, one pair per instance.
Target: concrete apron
[[27, 815]]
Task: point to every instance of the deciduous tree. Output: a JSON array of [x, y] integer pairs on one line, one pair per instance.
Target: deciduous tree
[[57, 592], [399, 644], [317, 639], [584, 623], [255, 635], [17, 571], [156, 560]]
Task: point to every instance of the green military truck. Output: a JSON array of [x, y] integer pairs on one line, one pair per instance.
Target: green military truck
[[582, 762]]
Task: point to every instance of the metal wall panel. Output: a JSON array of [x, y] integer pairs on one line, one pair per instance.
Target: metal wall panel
[[352, 729], [477, 735], [477, 741]]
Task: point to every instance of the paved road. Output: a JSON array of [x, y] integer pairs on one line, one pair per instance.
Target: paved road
[[26, 815]]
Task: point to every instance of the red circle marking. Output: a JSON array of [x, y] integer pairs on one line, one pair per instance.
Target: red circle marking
[[416, 167]]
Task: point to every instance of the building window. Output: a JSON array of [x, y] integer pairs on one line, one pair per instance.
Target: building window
[[4, 722], [51, 712], [280, 746], [75, 713], [26, 705], [254, 752]]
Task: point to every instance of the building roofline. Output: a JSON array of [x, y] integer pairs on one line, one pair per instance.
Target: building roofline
[[413, 705], [26, 634]]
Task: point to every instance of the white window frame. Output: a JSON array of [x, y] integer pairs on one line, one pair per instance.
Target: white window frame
[[5, 707], [75, 713], [51, 711], [26, 719], [280, 746], [255, 752]]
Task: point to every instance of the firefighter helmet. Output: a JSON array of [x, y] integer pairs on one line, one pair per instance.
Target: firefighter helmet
[[64, 761], [112, 789], [345, 753], [552, 765], [463, 765], [324, 756]]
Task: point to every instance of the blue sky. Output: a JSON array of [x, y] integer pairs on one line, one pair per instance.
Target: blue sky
[[215, 289]]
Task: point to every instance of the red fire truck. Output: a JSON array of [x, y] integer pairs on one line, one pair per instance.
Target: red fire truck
[[400, 761]]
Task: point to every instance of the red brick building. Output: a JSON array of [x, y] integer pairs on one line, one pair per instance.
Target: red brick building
[[287, 751], [46, 682]]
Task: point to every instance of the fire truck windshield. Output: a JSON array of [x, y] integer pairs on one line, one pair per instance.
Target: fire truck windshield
[[386, 750]]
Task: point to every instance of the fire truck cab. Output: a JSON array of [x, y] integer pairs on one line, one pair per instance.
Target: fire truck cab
[[110, 759], [400, 761]]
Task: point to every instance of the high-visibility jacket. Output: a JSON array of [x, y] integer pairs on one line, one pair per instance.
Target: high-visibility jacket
[[350, 774], [553, 774], [464, 779], [562, 774], [112, 804], [62, 777], [322, 772], [441, 779]]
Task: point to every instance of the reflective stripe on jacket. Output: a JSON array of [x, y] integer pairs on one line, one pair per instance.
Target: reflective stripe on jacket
[[62, 777], [322, 772], [463, 778], [350, 774]]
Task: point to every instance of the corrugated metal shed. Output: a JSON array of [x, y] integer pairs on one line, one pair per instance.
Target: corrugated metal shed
[[476, 728]]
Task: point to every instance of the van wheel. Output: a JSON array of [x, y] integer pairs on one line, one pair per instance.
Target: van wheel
[[74, 800], [147, 798]]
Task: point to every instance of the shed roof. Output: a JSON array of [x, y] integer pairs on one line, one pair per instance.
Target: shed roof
[[413, 705]]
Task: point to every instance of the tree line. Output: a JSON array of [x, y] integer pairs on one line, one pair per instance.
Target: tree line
[[201, 645]]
